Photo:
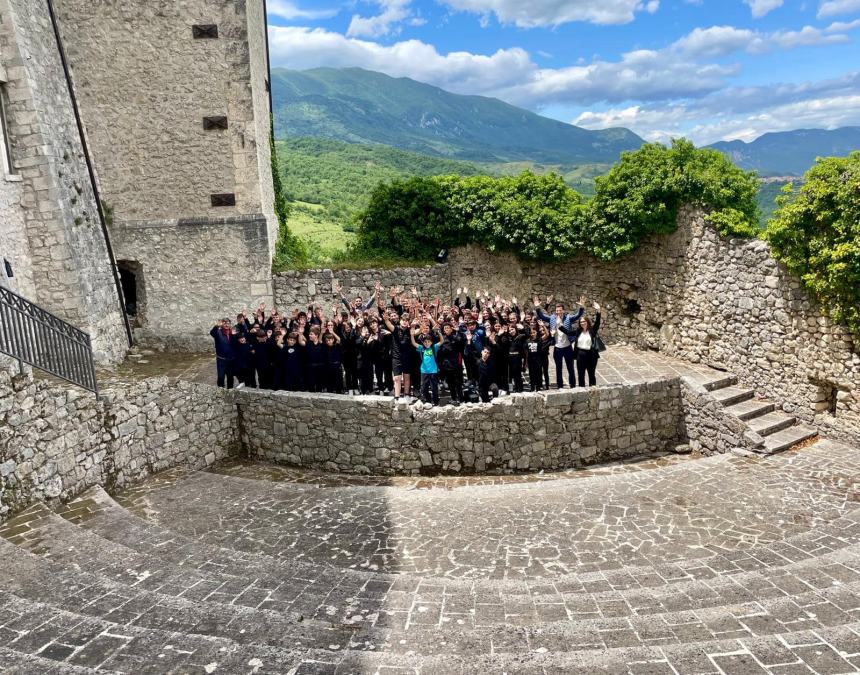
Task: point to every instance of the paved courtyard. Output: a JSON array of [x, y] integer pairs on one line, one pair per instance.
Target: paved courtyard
[[671, 564]]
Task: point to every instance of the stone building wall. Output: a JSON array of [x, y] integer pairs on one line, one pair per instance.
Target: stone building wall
[[191, 278], [706, 299], [294, 289], [57, 441], [60, 250], [159, 166], [553, 430]]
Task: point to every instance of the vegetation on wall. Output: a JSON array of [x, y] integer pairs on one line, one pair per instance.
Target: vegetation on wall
[[541, 218], [290, 251], [816, 234]]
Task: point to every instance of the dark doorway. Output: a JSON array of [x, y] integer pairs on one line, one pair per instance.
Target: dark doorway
[[131, 280]]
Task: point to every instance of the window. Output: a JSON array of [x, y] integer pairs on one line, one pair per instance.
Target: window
[[6, 145]]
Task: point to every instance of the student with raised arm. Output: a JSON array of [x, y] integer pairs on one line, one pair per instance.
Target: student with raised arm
[[402, 353], [427, 351], [561, 324], [357, 305]]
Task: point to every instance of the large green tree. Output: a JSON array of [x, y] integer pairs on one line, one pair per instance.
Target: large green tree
[[816, 233]]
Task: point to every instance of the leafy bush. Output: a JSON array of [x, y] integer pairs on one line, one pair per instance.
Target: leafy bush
[[816, 234], [290, 251], [541, 218], [641, 195]]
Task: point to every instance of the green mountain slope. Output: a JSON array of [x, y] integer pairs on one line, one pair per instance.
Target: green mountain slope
[[361, 106], [790, 153]]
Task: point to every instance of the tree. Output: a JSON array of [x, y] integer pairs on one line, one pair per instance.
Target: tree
[[816, 234]]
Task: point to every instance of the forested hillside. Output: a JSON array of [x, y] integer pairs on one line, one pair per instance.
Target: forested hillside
[[361, 106]]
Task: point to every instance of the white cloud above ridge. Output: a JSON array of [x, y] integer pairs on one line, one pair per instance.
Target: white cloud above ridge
[[828, 8], [740, 113], [285, 9], [761, 8], [542, 13], [386, 22]]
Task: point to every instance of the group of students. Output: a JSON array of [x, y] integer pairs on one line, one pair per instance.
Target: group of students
[[480, 350]]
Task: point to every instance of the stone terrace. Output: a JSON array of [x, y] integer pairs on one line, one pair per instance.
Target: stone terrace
[[725, 564]]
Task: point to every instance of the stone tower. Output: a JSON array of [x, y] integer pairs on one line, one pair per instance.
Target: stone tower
[[175, 104], [53, 248]]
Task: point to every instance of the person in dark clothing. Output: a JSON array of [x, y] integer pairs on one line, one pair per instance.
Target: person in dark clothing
[[290, 362], [402, 354], [475, 337], [224, 352], [503, 348], [516, 356], [244, 361], [261, 356], [450, 360], [487, 388], [533, 359], [585, 342], [349, 352], [333, 364], [368, 346], [315, 361], [546, 343]]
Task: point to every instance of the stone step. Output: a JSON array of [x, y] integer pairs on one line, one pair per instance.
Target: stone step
[[714, 380], [16, 663], [733, 394], [770, 423], [749, 409], [133, 649], [42, 583], [788, 438], [119, 525], [532, 605]]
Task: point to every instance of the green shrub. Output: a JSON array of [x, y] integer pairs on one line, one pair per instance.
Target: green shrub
[[541, 218], [641, 195], [816, 234], [290, 251]]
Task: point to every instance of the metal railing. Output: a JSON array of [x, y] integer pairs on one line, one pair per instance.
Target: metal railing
[[36, 337]]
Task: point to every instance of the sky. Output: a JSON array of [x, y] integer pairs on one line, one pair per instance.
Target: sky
[[707, 70]]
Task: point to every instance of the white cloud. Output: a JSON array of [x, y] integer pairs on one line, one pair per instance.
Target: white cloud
[[718, 41], [462, 72], [836, 7], [534, 13], [288, 10], [761, 7], [742, 113], [393, 12]]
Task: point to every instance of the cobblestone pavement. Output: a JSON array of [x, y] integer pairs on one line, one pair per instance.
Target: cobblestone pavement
[[674, 565]]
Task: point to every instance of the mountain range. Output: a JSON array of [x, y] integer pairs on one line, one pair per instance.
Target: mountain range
[[362, 106], [790, 152]]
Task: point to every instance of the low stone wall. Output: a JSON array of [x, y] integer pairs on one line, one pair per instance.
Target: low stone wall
[[295, 289], [552, 430], [709, 428], [56, 441]]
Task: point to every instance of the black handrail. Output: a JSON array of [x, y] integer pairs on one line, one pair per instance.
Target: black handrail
[[34, 336]]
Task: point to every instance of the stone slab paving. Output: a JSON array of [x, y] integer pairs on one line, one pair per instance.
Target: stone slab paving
[[683, 511], [719, 565]]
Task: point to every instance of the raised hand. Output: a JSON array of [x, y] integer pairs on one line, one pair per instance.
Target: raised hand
[[596, 307], [514, 301], [581, 302], [466, 291], [459, 292], [338, 289]]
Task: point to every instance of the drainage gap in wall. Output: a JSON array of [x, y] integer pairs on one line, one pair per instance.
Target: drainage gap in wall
[[631, 307], [826, 396]]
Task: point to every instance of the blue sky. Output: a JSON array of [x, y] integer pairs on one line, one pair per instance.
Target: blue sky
[[705, 69]]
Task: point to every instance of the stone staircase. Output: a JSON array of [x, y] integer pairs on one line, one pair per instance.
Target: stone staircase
[[780, 430], [726, 564]]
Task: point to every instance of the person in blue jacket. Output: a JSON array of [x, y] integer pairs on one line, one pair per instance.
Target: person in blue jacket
[[225, 353]]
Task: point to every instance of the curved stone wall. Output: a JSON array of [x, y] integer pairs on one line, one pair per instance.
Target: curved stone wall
[[551, 430]]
